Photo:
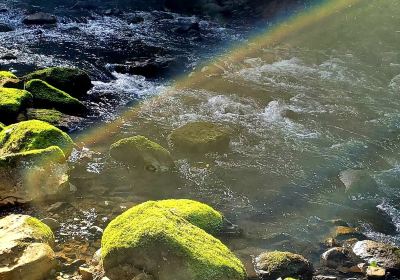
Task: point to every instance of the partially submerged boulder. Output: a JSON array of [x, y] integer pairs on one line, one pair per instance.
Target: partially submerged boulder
[[60, 120], [153, 239], [276, 264], [12, 101], [25, 248], [201, 137], [358, 182], [47, 96], [73, 81], [39, 18], [385, 255], [197, 213], [141, 152], [33, 135]]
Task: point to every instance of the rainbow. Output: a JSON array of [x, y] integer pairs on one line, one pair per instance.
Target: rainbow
[[279, 34]]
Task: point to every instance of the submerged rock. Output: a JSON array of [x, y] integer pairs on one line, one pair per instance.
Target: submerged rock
[[153, 239], [25, 248], [73, 81], [40, 19], [358, 181], [12, 101], [272, 265], [140, 152], [201, 137], [33, 135], [385, 255], [5, 28], [47, 96], [342, 233]]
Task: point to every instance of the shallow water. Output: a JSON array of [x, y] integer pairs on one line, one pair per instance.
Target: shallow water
[[320, 101]]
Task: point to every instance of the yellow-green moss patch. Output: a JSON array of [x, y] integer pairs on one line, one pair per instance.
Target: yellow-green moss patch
[[33, 135], [12, 101], [47, 96]]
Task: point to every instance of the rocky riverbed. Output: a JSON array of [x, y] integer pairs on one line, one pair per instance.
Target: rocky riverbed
[[122, 156]]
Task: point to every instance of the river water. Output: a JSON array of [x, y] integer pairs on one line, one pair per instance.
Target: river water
[[303, 106]]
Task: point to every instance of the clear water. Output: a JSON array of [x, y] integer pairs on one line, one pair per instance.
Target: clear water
[[323, 100]]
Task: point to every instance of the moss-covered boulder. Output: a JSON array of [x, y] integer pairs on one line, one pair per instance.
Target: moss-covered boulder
[[276, 264], [47, 96], [33, 135], [25, 248], [12, 101], [197, 213], [140, 152], [154, 239], [71, 80], [201, 137], [9, 80]]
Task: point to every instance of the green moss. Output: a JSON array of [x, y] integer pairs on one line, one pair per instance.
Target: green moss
[[197, 213], [141, 152], [2, 126], [153, 233], [7, 74], [47, 115], [40, 231], [37, 157], [71, 80], [33, 135], [12, 101], [284, 264], [47, 96], [201, 137]]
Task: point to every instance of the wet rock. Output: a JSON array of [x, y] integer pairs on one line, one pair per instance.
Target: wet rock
[[73, 81], [40, 19], [143, 276], [272, 265], [62, 121], [358, 181], [112, 12], [25, 248], [342, 233], [375, 272], [53, 224], [86, 273], [339, 258], [57, 206], [149, 68], [96, 231], [187, 27], [135, 19], [155, 239], [201, 137], [324, 277], [140, 152], [9, 56], [5, 28], [12, 101], [386, 256], [47, 96]]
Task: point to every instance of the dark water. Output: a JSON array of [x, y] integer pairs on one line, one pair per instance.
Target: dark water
[[321, 101]]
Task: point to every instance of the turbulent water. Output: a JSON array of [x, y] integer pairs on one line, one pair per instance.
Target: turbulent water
[[321, 101]]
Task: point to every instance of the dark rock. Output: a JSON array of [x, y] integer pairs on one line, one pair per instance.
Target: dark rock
[[135, 20], [5, 28], [8, 56], [149, 68], [188, 27], [53, 224], [40, 19]]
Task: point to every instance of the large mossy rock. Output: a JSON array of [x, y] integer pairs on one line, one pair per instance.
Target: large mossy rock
[[47, 96], [33, 135], [140, 152], [201, 137], [12, 101], [25, 248], [71, 80], [276, 264], [154, 239], [385, 255]]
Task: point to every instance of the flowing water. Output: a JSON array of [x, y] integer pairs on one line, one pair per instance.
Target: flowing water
[[317, 95]]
